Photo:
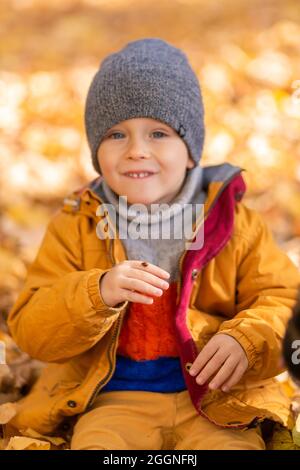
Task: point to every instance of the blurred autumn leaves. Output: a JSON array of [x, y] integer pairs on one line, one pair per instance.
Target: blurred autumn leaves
[[246, 55]]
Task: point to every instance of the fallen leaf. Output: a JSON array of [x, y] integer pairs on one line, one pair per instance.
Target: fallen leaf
[[7, 412], [296, 432], [56, 441], [27, 443]]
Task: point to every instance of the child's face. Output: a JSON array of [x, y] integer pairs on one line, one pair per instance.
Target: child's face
[[144, 144]]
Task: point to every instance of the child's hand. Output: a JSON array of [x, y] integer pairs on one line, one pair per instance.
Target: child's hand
[[222, 356], [133, 280]]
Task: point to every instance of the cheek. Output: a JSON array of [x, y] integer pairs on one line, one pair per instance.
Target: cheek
[[107, 165], [173, 170], [175, 160]]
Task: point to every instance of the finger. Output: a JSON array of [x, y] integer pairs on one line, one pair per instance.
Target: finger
[[224, 373], [136, 297], [211, 368], [234, 379], [140, 286], [205, 355], [152, 268], [148, 277]]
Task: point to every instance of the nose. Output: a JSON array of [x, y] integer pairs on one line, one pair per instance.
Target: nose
[[137, 149], [136, 157]]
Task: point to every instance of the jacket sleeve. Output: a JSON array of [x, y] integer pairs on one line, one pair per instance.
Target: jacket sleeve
[[60, 312], [266, 291]]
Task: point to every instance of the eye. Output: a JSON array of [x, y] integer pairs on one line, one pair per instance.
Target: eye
[[159, 132], [113, 134]]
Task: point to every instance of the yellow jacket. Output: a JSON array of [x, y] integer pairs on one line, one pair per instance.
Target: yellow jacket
[[239, 283]]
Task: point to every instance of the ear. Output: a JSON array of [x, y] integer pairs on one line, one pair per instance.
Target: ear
[[190, 163]]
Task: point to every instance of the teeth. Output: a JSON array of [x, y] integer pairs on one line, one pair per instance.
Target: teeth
[[138, 175]]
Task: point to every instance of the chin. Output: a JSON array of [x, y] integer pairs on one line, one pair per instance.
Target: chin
[[138, 200]]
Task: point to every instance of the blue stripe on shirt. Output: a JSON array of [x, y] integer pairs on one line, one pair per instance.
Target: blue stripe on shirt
[[160, 375]]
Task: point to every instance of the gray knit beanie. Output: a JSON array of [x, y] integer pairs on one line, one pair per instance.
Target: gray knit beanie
[[147, 78]]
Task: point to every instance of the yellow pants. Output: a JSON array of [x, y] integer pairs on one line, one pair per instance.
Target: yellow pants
[[131, 420]]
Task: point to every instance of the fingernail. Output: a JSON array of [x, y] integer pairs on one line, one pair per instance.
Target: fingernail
[[225, 389], [199, 381], [212, 386], [192, 371]]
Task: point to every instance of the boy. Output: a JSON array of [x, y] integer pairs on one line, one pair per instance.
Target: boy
[[151, 345]]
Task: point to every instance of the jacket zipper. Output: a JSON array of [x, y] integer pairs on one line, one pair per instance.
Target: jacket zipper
[[104, 380], [113, 342], [179, 284]]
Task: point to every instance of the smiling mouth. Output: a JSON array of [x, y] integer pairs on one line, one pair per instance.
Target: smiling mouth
[[139, 175]]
